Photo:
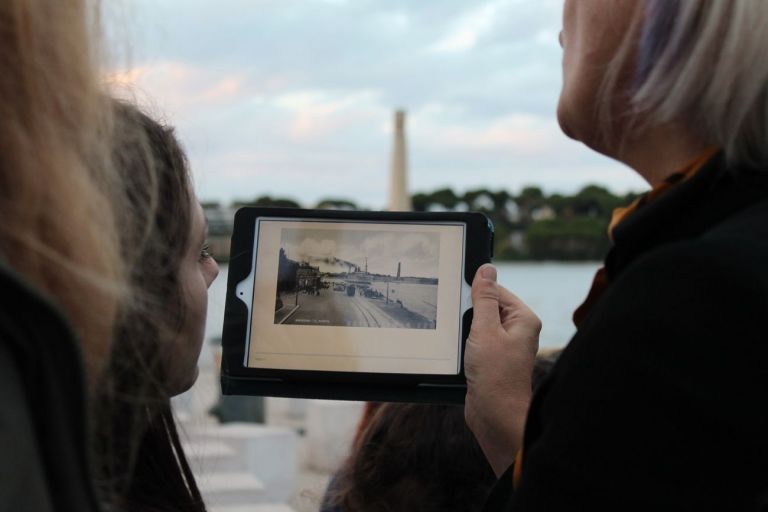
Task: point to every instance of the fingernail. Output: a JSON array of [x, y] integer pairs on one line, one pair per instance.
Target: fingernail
[[489, 272]]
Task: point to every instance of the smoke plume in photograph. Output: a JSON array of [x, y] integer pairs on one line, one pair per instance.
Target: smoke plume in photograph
[[358, 278]]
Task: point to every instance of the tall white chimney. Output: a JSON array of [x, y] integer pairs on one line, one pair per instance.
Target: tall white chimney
[[399, 199]]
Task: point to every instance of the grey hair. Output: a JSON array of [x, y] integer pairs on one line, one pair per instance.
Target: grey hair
[[703, 62]]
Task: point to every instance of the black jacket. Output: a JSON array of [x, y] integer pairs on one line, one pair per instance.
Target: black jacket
[[43, 435], [660, 401]]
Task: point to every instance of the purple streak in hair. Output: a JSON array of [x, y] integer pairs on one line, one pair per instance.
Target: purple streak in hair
[[660, 17]]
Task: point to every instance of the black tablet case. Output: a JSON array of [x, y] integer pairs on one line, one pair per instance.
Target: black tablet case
[[236, 379]]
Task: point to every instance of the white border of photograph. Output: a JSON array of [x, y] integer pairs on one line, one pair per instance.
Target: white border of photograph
[[355, 349]]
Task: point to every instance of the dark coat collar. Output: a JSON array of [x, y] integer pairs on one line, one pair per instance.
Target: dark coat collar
[[46, 364], [686, 211]]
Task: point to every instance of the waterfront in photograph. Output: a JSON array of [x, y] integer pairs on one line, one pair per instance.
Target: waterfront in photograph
[[337, 302], [552, 289], [360, 278]]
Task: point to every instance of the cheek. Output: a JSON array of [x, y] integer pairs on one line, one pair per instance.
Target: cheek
[[578, 101], [575, 102], [589, 44], [569, 103], [183, 361], [196, 310]]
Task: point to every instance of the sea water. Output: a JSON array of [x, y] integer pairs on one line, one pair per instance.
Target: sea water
[[551, 289], [416, 297]]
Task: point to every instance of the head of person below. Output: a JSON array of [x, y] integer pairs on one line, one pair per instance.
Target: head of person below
[[140, 461], [658, 400], [412, 457], [415, 457]]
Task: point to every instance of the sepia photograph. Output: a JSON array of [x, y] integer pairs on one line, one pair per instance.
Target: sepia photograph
[[358, 278]]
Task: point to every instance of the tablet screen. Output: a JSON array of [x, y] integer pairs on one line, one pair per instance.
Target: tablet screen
[[356, 296]]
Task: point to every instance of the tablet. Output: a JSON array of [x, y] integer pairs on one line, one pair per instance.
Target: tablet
[[351, 305]]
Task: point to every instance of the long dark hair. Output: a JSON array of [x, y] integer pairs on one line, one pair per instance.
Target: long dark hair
[[140, 460], [417, 457], [413, 457]]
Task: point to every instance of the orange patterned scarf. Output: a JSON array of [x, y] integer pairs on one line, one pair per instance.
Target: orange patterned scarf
[[600, 283]]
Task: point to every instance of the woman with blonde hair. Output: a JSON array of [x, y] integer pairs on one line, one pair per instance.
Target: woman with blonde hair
[[60, 264], [658, 402]]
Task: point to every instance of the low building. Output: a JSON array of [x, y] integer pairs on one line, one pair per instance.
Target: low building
[[307, 277]]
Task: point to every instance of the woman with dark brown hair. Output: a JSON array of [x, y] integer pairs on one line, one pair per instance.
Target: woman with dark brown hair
[[141, 465]]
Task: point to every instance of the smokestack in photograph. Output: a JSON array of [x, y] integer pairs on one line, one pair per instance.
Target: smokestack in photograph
[[398, 270], [399, 199]]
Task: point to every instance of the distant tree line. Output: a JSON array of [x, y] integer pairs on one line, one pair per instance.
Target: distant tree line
[[530, 225]]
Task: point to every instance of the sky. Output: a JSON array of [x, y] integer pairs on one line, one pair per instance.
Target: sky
[[295, 98], [419, 253]]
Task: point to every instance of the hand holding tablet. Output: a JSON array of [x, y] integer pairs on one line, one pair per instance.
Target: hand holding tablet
[[351, 305]]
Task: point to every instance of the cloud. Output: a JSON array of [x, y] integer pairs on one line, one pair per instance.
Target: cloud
[[311, 248], [381, 250], [295, 97], [514, 134], [175, 86], [316, 115], [468, 29]]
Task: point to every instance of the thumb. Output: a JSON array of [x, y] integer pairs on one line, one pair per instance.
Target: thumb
[[485, 300]]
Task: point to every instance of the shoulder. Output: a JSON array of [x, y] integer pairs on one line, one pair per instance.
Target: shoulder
[[22, 485], [739, 238], [712, 285], [732, 255], [43, 420], [661, 381], [688, 310], [691, 312], [23, 475]]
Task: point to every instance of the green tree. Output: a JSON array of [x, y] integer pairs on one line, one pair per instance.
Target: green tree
[[268, 201], [595, 201], [444, 197], [481, 200], [582, 238], [563, 205], [420, 201], [336, 204], [528, 200]]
